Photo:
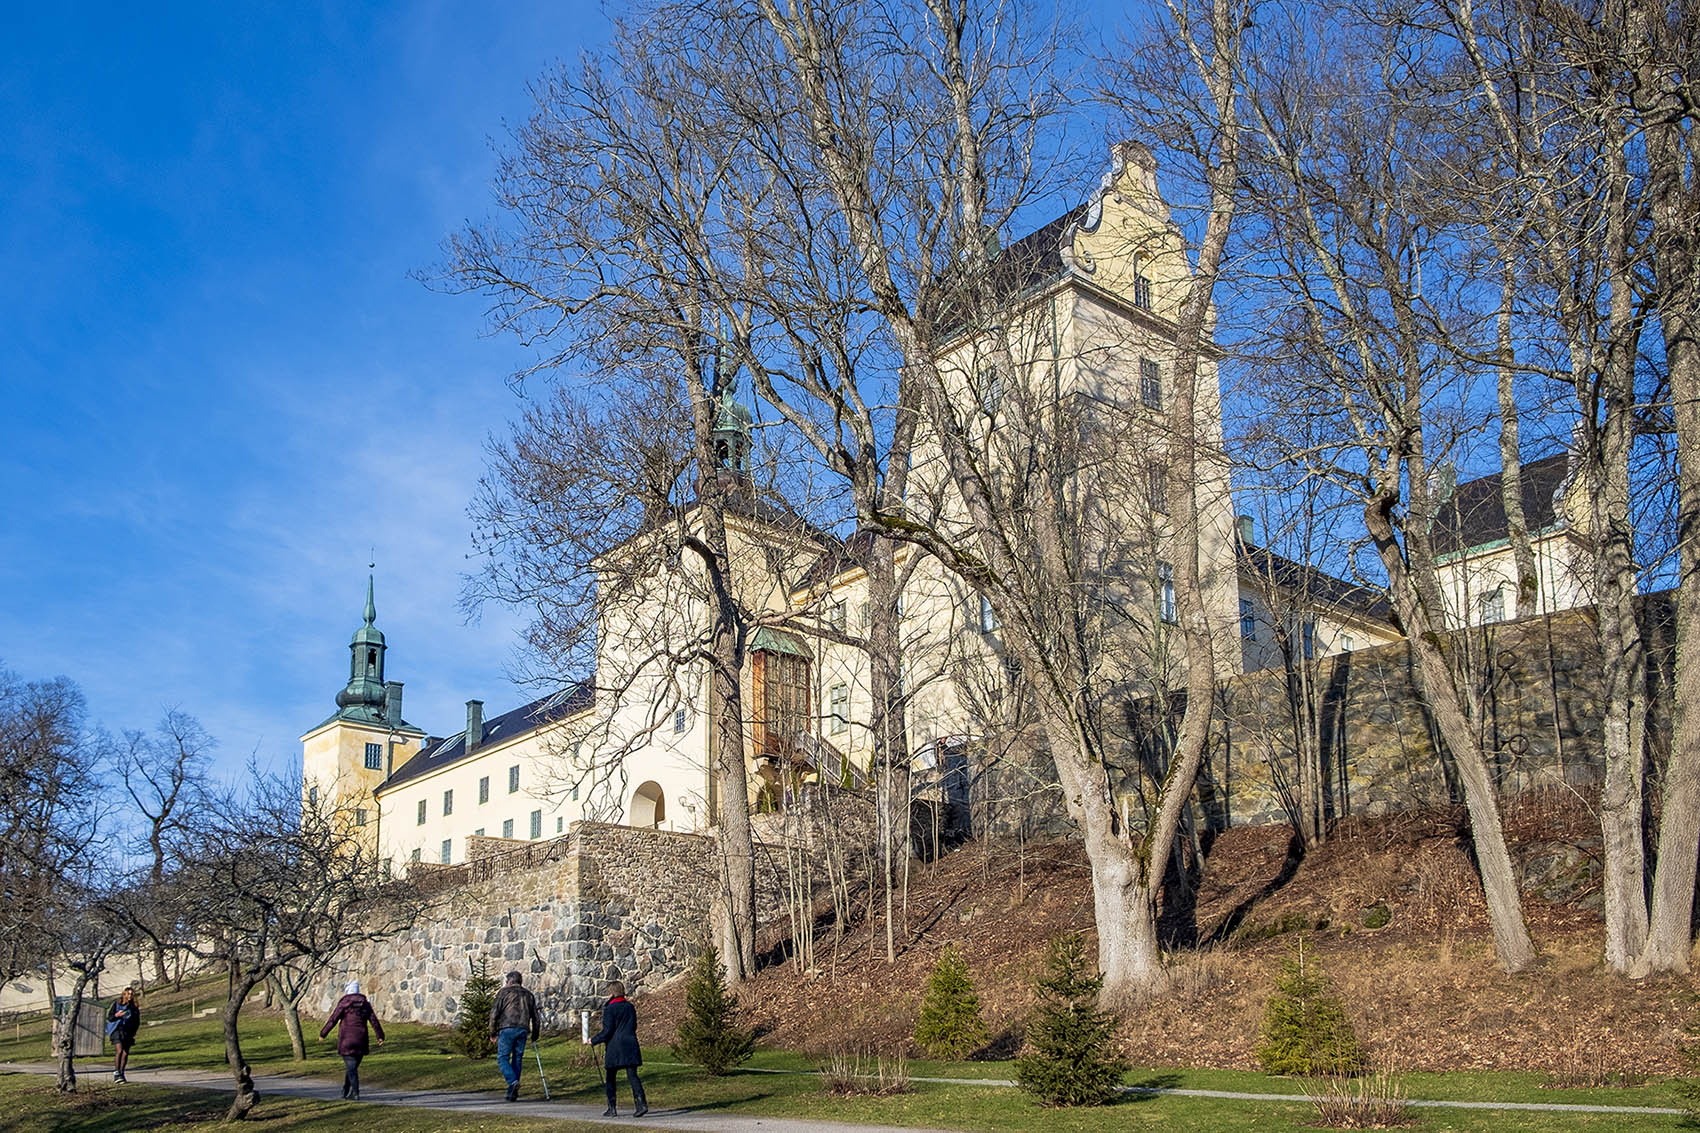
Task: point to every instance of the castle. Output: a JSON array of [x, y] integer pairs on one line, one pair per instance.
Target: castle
[[630, 743]]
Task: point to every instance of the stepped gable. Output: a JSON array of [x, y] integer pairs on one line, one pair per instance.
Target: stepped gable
[[1475, 514], [440, 752]]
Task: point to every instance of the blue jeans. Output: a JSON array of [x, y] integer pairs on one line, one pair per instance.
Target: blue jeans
[[510, 1052]]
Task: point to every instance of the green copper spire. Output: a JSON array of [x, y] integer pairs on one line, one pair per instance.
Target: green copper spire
[[363, 697]]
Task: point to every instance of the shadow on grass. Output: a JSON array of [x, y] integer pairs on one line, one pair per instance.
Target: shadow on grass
[[1146, 1089]]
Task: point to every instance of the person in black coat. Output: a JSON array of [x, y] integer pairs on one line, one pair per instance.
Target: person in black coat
[[619, 1032], [123, 1020]]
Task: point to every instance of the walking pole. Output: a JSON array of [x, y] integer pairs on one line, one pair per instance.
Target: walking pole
[[537, 1049]]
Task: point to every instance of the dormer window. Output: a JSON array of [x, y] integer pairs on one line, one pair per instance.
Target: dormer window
[[1142, 291]]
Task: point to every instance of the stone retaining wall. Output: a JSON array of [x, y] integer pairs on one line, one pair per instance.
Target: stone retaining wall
[[601, 903]]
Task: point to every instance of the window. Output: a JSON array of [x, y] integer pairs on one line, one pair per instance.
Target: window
[[447, 843], [1248, 619], [422, 812], [513, 779], [1150, 383], [989, 622], [1166, 593], [679, 722], [359, 816], [783, 680], [448, 802], [1346, 643], [838, 616], [1308, 633], [537, 824], [1157, 488], [560, 823], [1493, 606], [483, 790], [575, 792], [838, 696], [312, 796], [479, 833], [374, 757], [507, 828], [416, 854], [1142, 291], [991, 390]]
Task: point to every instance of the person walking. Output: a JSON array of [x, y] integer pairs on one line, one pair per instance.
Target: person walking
[[513, 1016], [350, 1018], [123, 1020], [619, 1032]]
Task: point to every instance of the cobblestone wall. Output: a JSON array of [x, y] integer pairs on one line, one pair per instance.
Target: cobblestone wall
[[1540, 686], [601, 903]]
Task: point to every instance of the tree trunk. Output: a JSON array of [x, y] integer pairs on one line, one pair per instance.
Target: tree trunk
[[1670, 927], [246, 1095], [891, 749], [66, 1029], [1512, 943], [1510, 457], [291, 1021]]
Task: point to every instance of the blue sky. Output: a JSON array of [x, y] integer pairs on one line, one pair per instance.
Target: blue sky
[[221, 387]]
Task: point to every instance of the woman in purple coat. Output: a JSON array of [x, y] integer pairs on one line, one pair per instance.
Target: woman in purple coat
[[353, 1012]]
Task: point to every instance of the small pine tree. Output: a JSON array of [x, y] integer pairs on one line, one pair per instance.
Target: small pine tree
[[950, 1025], [1074, 1059], [471, 1035], [1305, 1028], [710, 1035]]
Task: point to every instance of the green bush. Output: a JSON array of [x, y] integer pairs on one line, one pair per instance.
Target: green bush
[[1075, 1060], [1305, 1029], [471, 1035], [710, 1035], [950, 1025]]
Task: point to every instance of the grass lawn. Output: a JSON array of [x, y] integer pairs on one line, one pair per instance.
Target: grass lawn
[[420, 1058]]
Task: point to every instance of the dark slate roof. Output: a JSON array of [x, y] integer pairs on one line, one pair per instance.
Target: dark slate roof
[[1314, 585], [1027, 265], [1475, 515], [839, 556], [439, 752], [746, 502]]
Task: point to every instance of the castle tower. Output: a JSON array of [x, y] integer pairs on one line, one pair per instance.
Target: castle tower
[[348, 756]]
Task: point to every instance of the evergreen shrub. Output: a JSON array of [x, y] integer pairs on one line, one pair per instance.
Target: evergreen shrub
[[950, 1025], [1074, 1059], [710, 1035], [471, 1035], [1305, 1028]]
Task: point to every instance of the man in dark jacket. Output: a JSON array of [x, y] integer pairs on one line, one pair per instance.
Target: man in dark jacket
[[619, 1031], [513, 1016], [353, 1012]]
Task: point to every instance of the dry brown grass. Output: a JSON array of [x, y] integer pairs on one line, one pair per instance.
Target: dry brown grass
[[1375, 1101], [849, 1074]]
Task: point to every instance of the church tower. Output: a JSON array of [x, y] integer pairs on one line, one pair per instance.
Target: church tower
[[348, 756]]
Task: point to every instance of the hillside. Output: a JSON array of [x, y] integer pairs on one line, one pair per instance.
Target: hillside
[[1421, 988]]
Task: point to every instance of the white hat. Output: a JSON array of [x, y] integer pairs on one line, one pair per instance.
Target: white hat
[[352, 987]]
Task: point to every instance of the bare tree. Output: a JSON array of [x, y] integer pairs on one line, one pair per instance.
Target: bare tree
[[1349, 233], [164, 775], [49, 829], [274, 883]]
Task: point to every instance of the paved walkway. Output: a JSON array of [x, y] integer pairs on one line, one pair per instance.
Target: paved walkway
[[483, 1102], [488, 1102]]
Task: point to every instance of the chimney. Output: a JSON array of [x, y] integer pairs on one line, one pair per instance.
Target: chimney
[[392, 703], [1248, 528], [474, 723]]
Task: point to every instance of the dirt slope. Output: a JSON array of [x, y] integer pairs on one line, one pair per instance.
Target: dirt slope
[[1422, 989]]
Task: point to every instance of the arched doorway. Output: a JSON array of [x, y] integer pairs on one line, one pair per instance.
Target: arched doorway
[[649, 806]]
